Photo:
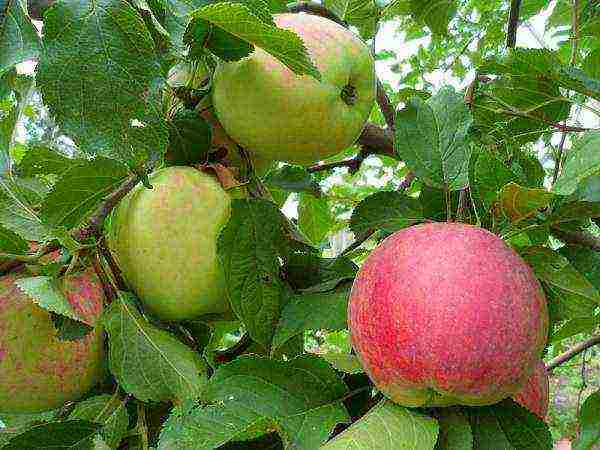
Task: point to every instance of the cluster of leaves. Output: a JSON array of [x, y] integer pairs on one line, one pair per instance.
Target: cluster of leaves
[[246, 380]]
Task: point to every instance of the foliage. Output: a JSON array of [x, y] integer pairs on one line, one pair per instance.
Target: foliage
[[509, 141]]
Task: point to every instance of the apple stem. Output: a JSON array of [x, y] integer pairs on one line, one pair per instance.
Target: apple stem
[[349, 95]]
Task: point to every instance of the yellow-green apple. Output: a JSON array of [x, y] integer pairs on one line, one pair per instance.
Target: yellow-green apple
[[278, 115], [535, 395], [165, 242], [447, 314], [38, 370]]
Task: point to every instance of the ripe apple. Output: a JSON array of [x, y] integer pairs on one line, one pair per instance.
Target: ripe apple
[[165, 242], [447, 314], [38, 371], [278, 115], [535, 395]]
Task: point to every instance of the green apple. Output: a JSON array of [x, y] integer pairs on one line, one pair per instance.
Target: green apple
[[279, 116], [165, 242], [38, 371]]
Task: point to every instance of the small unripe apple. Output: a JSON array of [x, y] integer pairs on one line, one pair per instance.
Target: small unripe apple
[[535, 395], [447, 314], [39, 371], [165, 242], [279, 116]]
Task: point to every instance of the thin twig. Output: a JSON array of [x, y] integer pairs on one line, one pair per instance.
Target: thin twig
[[96, 222], [375, 139], [559, 157], [571, 353], [316, 9], [580, 238], [513, 23], [386, 107]]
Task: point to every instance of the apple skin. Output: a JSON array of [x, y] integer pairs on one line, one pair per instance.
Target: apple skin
[[535, 395], [279, 116], [447, 314], [165, 242], [39, 372]]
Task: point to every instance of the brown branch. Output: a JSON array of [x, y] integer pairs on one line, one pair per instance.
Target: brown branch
[[571, 353], [96, 222], [580, 238], [375, 139], [513, 23], [316, 9], [386, 107]]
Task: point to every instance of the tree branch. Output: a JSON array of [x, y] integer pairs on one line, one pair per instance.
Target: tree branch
[[375, 139], [580, 238], [513, 23], [386, 107], [317, 9], [570, 354]]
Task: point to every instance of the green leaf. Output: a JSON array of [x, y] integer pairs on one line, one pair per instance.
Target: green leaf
[[432, 138], [518, 202], [589, 420], [585, 260], [581, 162], [321, 311], [11, 242], [388, 427], [576, 295], [300, 399], [291, 179], [80, 190], [574, 211], [249, 248], [46, 292], [576, 326], [388, 211], [108, 411], [19, 40], [488, 177], [190, 139], [435, 14], [455, 430], [239, 21], [589, 189], [522, 429], [103, 100], [591, 64], [149, 362], [44, 161], [310, 273], [70, 434], [314, 217], [363, 14], [344, 362]]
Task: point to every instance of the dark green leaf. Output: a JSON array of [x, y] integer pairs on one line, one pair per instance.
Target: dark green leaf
[[314, 274], [432, 138], [300, 398], [388, 427], [19, 40], [43, 161], [80, 190], [102, 101], [589, 419], [189, 139], [581, 162], [11, 242], [455, 430], [71, 434], [291, 179], [314, 217], [322, 311], [388, 211], [148, 362], [249, 248]]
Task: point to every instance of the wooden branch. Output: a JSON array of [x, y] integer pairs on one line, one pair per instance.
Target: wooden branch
[[375, 139], [513, 23], [580, 238], [570, 354], [386, 107], [316, 9]]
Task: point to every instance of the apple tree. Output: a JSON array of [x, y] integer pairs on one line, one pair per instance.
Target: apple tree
[[253, 224]]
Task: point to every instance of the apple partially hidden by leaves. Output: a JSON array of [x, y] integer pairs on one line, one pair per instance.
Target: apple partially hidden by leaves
[[165, 242], [535, 395], [279, 116], [40, 371], [447, 314]]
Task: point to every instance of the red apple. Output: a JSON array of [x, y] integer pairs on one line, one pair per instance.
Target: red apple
[[535, 395], [39, 371], [447, 314]]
